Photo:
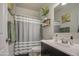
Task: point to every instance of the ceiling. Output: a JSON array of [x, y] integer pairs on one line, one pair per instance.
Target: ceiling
[[68, 5], [32, 6]]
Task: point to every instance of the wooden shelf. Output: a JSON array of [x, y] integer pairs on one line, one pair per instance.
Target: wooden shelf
[[46, 23]]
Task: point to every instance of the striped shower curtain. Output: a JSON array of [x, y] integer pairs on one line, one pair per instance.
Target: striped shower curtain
[[27, 34]]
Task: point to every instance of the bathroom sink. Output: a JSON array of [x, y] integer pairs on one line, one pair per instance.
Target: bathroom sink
[[59, 43], [68, 44], [63, 44]]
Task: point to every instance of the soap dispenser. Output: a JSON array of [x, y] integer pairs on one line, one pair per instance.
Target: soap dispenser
[[71, 37], [71, 40]]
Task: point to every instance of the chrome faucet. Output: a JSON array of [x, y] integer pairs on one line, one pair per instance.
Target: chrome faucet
[[65, 41]]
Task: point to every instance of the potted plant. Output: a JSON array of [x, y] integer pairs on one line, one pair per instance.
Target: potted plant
[[44, 12]]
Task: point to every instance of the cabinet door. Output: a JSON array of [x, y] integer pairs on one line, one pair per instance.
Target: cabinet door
[[51, 51], [44, 50], [3, 29]]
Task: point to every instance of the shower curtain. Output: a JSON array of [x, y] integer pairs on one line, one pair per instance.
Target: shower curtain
[[27, 34]]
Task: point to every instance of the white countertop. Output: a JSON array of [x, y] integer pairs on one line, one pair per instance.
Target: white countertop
[[70, 50]]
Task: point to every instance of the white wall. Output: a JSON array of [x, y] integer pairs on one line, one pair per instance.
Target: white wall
[[26, 12], [49, 30], [5, 48], [3, 32], [73, 9]]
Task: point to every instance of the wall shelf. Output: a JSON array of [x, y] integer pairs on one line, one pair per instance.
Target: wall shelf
[[46, 22]]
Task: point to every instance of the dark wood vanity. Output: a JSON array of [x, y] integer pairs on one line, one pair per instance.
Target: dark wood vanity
[[47, 50]]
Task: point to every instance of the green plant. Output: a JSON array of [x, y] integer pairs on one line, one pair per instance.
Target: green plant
[[44, 10], [10, 8]]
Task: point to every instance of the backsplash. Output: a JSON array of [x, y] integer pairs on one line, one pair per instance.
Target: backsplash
[[66, 36]]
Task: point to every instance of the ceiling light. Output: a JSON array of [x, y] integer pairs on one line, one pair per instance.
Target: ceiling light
[[63, 3]]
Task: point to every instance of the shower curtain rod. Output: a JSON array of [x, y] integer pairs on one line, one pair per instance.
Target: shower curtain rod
[[32, 17]]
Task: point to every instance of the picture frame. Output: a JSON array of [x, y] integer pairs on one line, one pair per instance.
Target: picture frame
[[66, 17]]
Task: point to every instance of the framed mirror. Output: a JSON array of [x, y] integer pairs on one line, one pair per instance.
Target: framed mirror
[[66, 18]]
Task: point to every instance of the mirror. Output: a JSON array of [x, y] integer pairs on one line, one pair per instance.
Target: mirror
[[66, 18]]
